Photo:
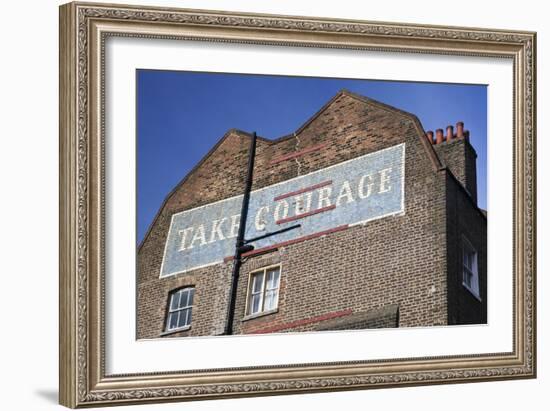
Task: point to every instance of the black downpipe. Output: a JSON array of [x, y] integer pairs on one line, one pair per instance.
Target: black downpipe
[[240, 239]]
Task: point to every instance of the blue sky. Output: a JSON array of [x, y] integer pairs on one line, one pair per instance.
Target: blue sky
[[181, 115]]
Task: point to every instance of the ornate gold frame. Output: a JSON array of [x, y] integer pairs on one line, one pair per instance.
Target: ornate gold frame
[[83, 30]]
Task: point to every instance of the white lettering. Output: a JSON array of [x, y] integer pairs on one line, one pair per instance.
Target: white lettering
[[199, 236], [284, 204], [217, 230], [302, 206], [234, 226], [324, 197], [259, 221], [361, 188], [384, 179], [183, 234], [345, 192]]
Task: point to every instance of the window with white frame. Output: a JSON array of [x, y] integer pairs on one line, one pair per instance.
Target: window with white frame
[[180, 309], [263, 291], [470, 274]]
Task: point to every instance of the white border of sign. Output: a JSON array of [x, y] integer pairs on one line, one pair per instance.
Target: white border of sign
[[400, 211], [126, 355]]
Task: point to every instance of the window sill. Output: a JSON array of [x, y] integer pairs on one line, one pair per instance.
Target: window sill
[[258, 315], [476, 296], [177, 330]]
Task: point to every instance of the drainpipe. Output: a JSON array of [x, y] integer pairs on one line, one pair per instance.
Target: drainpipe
[[240, 246]]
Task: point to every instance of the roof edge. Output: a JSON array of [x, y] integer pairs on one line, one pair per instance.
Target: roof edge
[[436, 162]]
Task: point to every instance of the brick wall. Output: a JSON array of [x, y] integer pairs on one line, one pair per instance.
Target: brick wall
[[465, 221], [386, 317], [460, 157], [399, 260]]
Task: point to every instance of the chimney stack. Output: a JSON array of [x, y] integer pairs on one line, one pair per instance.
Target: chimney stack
[[458, 155], [460, 129], [449, 136], [430, 136], [439, 136], [449, 133]]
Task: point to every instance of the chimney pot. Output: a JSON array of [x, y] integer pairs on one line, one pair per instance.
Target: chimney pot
[[460, 129], [439, 136], [430, 136], [449, 133]]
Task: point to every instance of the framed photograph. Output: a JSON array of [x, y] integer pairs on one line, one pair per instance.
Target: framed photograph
[[242, 193]]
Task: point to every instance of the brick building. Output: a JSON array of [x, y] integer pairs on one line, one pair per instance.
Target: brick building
[[390, 232]]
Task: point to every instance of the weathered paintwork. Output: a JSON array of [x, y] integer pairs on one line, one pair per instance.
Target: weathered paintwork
[[348, 193]]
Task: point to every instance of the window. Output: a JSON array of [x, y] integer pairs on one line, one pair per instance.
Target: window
[[263, 292], [470, 276], [180, 309]]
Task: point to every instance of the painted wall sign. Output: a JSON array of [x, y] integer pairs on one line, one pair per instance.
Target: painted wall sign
[[345, 194]]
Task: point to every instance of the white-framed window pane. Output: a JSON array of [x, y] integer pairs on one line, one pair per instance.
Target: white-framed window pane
[[469, 260], [264, 290], [272, 279], [475, 284], [470, 275], [179, 311], [467, 278], [181, 318], [184, 296], [271, 297], [182, 321], [256, 303], [174, 302], [173, 320], [257, 282]]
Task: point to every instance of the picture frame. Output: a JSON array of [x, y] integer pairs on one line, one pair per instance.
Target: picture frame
[[84, 31]]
